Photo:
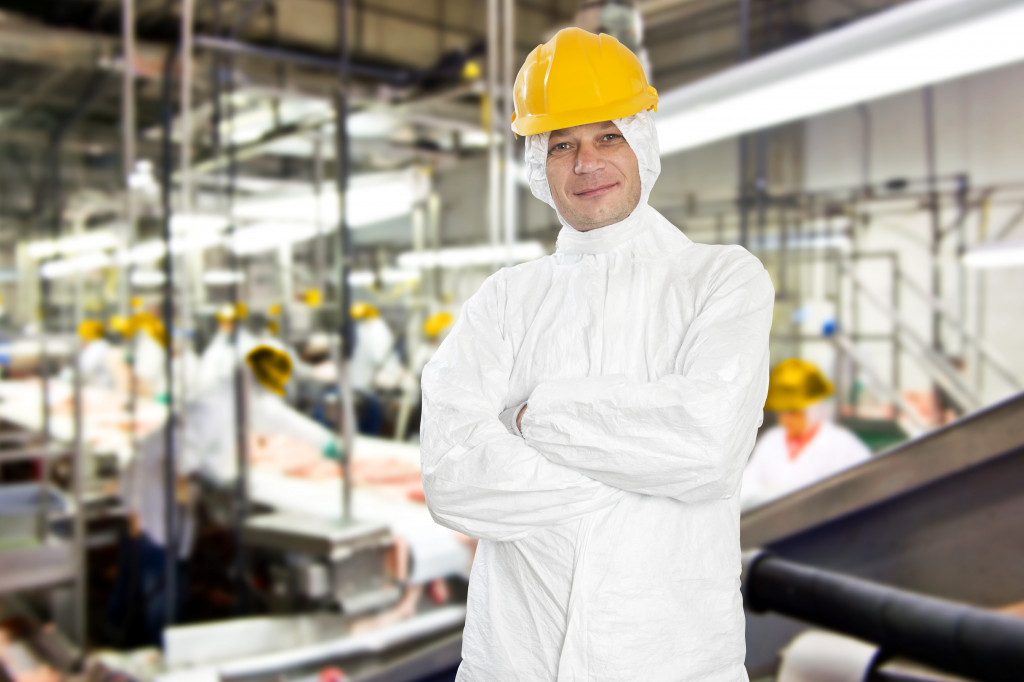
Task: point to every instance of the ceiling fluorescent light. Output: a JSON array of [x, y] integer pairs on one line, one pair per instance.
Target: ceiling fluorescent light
[[197, 222], [270, 235], [371, 199], [78, 264], [97, 240], [1006, 254], [907, 47], [147, 278], [222, 277], [365, 278], [471, 255]]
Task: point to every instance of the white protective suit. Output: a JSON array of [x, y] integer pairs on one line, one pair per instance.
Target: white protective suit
[[772, 473], [94, 363], [610, 546], [373, 349]]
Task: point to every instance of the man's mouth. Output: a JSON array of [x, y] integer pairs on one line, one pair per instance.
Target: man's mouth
[[596, 191]]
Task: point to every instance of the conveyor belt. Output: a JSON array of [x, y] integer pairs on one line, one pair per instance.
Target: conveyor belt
[[937, 515]]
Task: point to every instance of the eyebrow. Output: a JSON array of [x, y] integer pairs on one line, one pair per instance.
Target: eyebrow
[[561, 131]]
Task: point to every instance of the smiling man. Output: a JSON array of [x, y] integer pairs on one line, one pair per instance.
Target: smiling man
[[591, 412]]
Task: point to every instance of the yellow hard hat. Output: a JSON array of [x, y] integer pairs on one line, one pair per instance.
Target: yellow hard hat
[[125, 326], [795, 384], [273, 327], [136, 303], [577, 78], [241, 310], [152, 325], [271, 366], [225, 314], [364, 311], [436, 324], [90, 330], [313, 297], [275, 309]]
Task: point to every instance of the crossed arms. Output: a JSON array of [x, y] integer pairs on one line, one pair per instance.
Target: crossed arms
[[589, 441]]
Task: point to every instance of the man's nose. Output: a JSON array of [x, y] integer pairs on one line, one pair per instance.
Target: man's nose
[[588, 159]]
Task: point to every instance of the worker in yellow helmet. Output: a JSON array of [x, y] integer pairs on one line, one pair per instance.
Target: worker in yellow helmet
[[220, 356], [806, 446], [373, 353], [590, 414]]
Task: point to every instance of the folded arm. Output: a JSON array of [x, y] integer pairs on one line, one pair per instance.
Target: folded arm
[[478, 478], [687, 435]]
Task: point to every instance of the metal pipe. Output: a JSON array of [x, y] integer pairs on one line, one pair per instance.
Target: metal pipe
[[170, 463], [240, 377], [940, 370], [320, 254], [934, 213], [347, 330], [511, 186], [744, 141], [225, 45], [128, 123], [988, 352], [964, 640], [493, 149], [862, 363], [78, 488], [127, 147]]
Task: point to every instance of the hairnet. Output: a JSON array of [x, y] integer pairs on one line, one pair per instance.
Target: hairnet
[[640, 134]]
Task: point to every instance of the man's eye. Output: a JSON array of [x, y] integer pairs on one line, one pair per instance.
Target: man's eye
[[611, 136], [560, 147]]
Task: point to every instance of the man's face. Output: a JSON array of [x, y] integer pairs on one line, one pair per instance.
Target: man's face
[[593, 175], [795, 422]]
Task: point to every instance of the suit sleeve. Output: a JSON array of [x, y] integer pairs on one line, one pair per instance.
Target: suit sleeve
[[687, 435], [478, 478]]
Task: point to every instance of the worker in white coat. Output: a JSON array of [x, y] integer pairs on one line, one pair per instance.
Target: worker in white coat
[[806, 446], [97, 361], [635, 363], [373, 351]]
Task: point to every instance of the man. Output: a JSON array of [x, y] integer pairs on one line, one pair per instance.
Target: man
[[805, 447], [609, 527]]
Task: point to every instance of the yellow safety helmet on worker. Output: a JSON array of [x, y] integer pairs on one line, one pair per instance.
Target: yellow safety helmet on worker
[[91, 330], [577, 78], [796, 384], [437, 323]]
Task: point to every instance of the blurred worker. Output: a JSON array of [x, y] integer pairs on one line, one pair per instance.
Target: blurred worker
[[805, 447], [97, 361], [435, 329], [374, 345], [207, 453], [219, 358], [590, 413]]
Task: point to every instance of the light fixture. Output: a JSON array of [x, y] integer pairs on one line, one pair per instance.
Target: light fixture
[[96, 240], [78, 264], [371, 198], [907, 47], [1003, 254], [267, 236], [222, 277], [364, 278], [471, 255], [147, 278], [197, 222]]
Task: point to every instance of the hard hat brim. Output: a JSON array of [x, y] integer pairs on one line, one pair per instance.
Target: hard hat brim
[[544, 123]]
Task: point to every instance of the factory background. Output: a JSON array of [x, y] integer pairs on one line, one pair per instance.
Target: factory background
[[332, 180]]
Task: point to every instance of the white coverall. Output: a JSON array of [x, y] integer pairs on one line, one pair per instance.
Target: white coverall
[[374, 345], [771, 473], [94, 363], [610, 545]]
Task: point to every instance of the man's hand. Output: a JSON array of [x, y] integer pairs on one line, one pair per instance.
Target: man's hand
[[519, 419]]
